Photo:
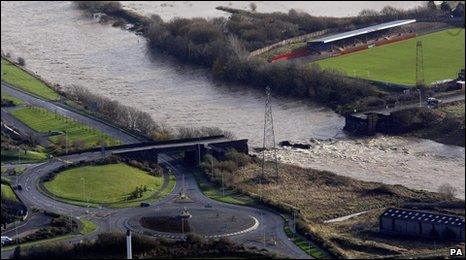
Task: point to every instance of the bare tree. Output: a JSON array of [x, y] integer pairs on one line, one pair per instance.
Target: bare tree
[[21, 61], [447, 190], [253, 7]]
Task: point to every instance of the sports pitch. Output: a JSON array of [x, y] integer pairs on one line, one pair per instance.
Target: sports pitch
[[396, 62]]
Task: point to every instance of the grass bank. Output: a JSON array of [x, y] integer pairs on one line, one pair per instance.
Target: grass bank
[[103, 184], [19, 78]]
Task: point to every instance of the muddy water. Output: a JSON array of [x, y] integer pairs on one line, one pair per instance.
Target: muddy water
[[170, 9], [67, 48]]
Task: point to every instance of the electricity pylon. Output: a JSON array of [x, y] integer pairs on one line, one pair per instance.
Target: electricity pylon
[[269, 138]]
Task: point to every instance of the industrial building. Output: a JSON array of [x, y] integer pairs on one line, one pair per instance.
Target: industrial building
[[361, 38], [429, 225]]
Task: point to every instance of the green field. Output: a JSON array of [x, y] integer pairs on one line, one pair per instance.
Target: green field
[[43, 121], [102, 184], [396, 63], [23, 80], [8, 193]]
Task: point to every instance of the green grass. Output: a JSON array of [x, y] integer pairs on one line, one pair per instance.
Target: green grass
[[88, 226], [25, 156], [16, 101], [213, 192], [37, 242], [43, 121], [304, 245], [8, 193], [17, 77], [455, 110], [103, 184], [396, 62]]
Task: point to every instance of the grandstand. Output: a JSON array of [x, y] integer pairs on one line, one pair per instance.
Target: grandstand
[[363, 38]]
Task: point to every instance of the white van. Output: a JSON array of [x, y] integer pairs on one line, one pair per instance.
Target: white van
[[6, 240]]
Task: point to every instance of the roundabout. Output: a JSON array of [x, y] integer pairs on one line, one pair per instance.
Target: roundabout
[[205, 222], [208, 218]]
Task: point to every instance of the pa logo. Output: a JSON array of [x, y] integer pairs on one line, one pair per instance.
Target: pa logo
[[456, 252]]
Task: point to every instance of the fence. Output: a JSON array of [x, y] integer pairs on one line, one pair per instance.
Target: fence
[[289, 41]]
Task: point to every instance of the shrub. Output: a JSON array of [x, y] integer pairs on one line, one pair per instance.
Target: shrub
[[21, 61]]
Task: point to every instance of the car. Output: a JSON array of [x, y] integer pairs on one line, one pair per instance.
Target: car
[[19, 187], [208, 205], [55, 132], [6, 240], [144, 204], [433, 102]]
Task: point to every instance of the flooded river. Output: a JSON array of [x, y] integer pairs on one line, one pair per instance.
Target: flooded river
[[66, 48]]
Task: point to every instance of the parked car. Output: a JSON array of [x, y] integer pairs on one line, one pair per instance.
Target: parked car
[[55, 132], [6, 240], [144, 204], [433, 102]]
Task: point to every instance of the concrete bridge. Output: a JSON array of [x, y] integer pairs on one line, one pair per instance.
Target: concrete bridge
[[194, 148]]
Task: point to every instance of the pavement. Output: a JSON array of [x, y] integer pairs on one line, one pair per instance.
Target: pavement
[[111, 219]]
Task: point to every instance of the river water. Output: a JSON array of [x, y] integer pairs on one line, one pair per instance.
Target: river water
[[67, 48]]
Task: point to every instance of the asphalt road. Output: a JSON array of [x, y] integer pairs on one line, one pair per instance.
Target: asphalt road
[[60, 109], [387, 111], [108, 219]]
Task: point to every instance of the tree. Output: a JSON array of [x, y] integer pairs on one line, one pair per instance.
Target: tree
[[253, 7], [17, 253], [21, 61], [445, 7], [447, 191], [431, 5], [459, 10]]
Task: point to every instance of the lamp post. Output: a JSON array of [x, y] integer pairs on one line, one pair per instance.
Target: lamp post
[[84, 189], [420, 97]]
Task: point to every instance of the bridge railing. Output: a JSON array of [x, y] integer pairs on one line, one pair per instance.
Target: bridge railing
[[142, 144]]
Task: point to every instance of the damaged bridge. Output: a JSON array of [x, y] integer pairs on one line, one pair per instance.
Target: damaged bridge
[[193, 148]]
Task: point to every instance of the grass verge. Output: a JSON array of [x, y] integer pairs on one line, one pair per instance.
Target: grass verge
[[215, 193], [87, 226], [15, 101], [24, 156], [304, 244], [8, 193], [19, 78]]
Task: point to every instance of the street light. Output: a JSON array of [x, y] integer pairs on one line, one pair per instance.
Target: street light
[[84, 189], [420, 97]]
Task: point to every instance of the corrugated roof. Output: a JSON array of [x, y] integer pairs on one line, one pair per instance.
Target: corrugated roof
[[364, 30], [428, 217]]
